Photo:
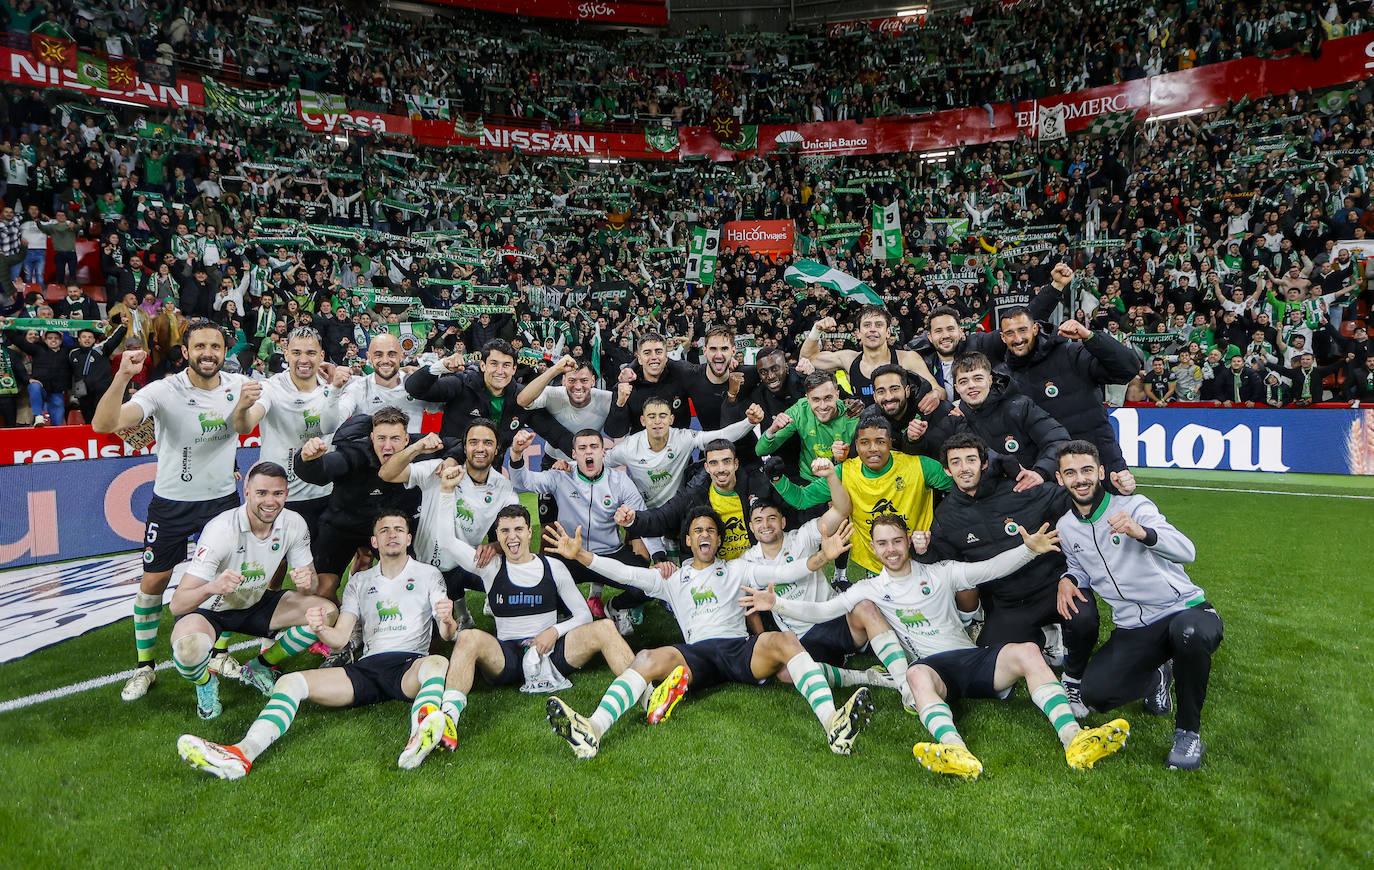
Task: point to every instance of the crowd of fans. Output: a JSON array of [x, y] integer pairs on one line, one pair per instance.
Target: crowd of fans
[[1198, 241], [536, 70]]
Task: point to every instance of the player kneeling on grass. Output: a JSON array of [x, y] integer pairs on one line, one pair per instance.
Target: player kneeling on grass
[[918, 602], [718, 646], [225, 589], [395, 600], [1122, 547], [524, 591]]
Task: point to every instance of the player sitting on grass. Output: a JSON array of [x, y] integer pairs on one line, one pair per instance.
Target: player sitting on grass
[[918, 602], [396, 599], [225, 588], [717, 647], [525, 592]]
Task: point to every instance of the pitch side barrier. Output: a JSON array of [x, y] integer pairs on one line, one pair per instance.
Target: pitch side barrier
[[70, 493]]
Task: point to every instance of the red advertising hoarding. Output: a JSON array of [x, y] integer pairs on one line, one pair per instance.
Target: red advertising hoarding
[[650, 13], [761, 237]]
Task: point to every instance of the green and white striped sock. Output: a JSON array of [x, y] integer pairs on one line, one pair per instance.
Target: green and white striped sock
[[276, 716], [431, 692], [889, 651], [296, 639], [939, 721], [620, 696], [453, 703], [807, 677], [840, 678], [1052, 701], [147, 616]]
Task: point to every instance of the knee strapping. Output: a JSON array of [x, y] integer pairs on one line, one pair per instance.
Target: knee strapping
[[192, 649], [432, 666]]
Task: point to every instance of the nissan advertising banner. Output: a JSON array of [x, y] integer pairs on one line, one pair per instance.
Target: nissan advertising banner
[[761, 237], [1343, 60]]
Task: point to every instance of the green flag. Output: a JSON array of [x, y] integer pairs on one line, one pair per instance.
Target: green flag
[[1334, 102], [152, 130], [256, 106], [1111, 123], [887, 232], [317, 103], [805, 272], [92, 70], [660, 138], [701, 256]]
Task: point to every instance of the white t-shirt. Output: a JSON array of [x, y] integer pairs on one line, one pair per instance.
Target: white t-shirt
[[704, 601], [593, 416], [658, 475], [228, 542], [797, 545], [291, 419], [919, 606], [363, 395], [196, 441], [471, 514], [395, 612]]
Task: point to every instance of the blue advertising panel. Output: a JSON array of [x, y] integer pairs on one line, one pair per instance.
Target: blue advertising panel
[[68, 510], [1320, 441]]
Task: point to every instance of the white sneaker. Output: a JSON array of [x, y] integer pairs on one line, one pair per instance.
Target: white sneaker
[[139, 684], [908, 699], [624, 622], [1073, 692], [40, 420], [1053, 648], [225, 665], [423, 739]]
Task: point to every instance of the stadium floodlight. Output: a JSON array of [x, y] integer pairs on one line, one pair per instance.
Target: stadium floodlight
[[1171, 116], [603, 161], [909, 13], [122, 102], [936, 156], [340, 138]]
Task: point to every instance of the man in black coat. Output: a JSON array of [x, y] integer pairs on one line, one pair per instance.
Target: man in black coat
[[90, 367], [49, 378], [489, 393], [991, 408], [361, 445], [1064, 375], [897, 394], [981, 518]]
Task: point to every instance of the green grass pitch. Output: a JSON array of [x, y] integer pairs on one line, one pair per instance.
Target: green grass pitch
[[741, 776]]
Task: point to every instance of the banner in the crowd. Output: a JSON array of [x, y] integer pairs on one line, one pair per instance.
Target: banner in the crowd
[[23, 68], [887, 232], [1342, 60], [1320, 441], [70, 444], [891, 26], [761, 237], [702, 252], [653, 13]]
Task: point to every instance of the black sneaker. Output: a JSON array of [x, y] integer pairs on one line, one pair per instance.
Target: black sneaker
[[1159, 702], [1187, 751], [1073, 691]]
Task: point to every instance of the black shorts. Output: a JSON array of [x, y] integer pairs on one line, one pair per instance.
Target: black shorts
[[458, 580], [513, 671], [722, 660], [377, 678], [172, 523], [332, 547], [968, 673], [830, 642], [310, 510], [254, 621]]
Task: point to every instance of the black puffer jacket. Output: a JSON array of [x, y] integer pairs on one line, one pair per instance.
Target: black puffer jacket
[[352, 465], [1011, 424], [1065, 377]]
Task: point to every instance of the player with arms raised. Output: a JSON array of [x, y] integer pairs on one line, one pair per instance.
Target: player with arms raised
[[196, 448]]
